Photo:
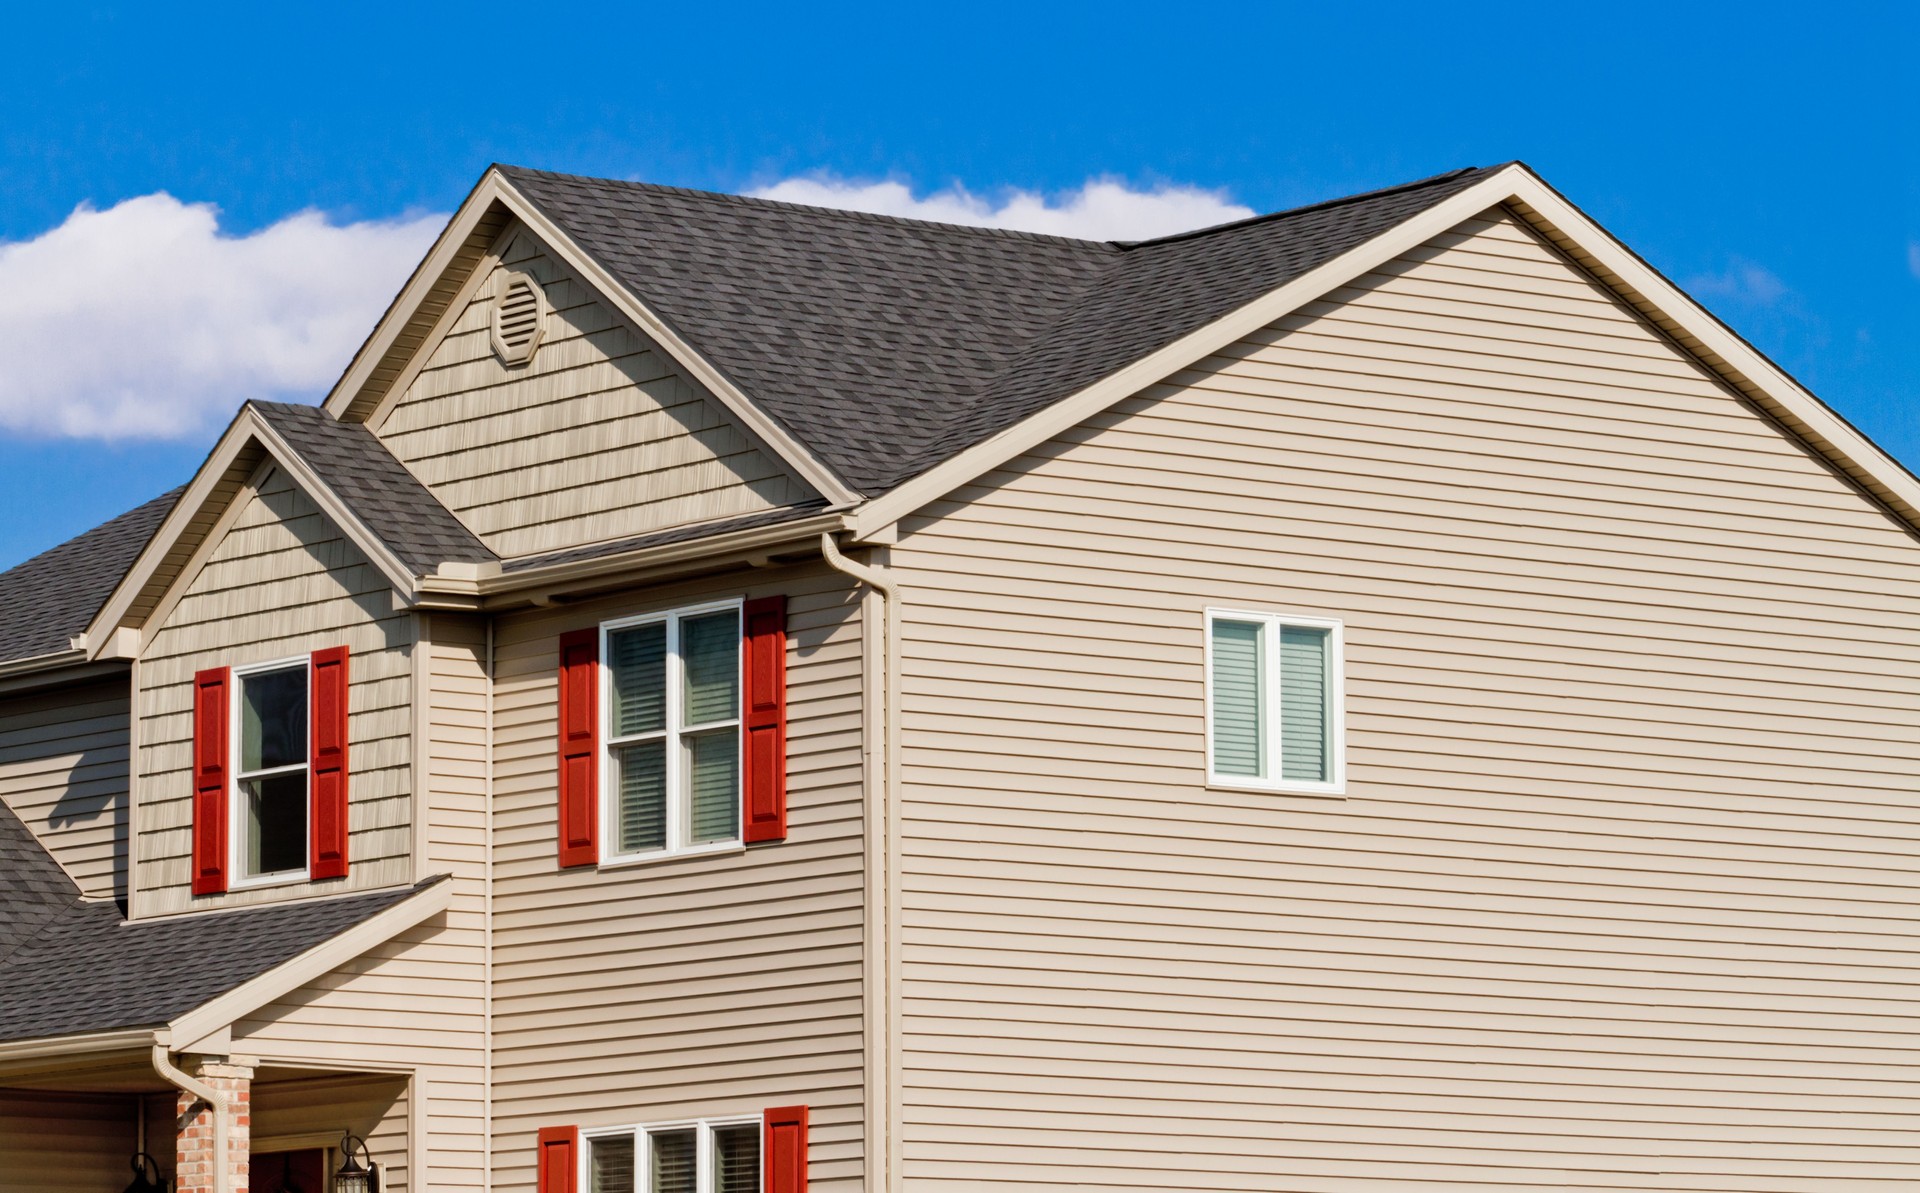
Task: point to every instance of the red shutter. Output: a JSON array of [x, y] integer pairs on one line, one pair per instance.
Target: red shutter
[[580, 748], [327, 827], [210, 781], [558, 1170], [764, 661], [784, 1149]]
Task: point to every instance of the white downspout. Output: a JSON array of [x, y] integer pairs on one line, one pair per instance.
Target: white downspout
[[217, 1101], [881, 731]]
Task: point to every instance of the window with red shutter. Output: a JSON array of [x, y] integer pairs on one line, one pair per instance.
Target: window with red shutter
[[765, 719], [327, 832], [785, 1149], [558, 1169], [579, 777], [210, 722]]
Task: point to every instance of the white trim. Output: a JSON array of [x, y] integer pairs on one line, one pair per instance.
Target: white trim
[[1742, 367], [323, 958], [1270, 715], [237, 877], [642, 1136], [672, 733]]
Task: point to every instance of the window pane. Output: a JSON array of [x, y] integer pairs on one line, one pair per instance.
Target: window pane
[[273, 719], [610, 1165], [1237, 730], [641, 815], [711, 647], [736, 1159], [1304, 745], [276, 823], [713, 783], [672, 1169], [638, 658]]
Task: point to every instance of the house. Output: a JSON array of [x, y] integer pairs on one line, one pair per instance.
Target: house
[[1390, 695]]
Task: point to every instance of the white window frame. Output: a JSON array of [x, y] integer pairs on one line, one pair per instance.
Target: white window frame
[[238, 879], [642, 1134], [1271, 721], [671, 733]]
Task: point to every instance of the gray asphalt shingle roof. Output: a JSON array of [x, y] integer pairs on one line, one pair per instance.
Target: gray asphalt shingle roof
[[887, 345], [51, 598], [68, 965], [389, 500]]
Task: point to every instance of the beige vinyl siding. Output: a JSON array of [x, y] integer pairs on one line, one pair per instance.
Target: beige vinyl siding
[[282, 582], [697, 986], [1621, 894], [418, 1003], [63, 771], [598, 438]]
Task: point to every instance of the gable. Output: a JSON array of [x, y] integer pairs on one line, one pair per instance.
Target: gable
[[600, 437], [279, 580]]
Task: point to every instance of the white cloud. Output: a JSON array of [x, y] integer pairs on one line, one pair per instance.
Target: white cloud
[[1101, 209], [144, 320], [1742, 281]]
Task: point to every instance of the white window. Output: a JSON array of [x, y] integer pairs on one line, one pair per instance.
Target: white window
[[1275, 715], [671, 726], [270, 805], [719, 1155]]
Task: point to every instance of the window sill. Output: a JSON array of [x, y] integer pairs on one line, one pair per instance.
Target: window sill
[[267, 881], [1311, 791], [722, 849]]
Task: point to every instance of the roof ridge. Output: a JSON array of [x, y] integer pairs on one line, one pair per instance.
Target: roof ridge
[[1319, 205], [816, 209]]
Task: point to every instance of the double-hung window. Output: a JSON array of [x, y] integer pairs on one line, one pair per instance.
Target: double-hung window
[[270, 796], [707, 1156], [671, 736], [1275, 716]]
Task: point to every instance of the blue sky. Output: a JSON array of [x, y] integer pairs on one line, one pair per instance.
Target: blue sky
[[1766, 157]]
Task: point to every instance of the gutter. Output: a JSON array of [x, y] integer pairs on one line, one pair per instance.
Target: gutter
[[880, 732], [467, 587]]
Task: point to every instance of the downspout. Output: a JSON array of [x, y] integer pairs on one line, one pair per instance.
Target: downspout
[[217, 1101], [880, 730]]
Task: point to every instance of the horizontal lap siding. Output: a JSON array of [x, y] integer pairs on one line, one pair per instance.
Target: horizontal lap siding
[[1621, 895], [283, 582], [598, 438], [700, 986], [63, 772], [418, 1002]]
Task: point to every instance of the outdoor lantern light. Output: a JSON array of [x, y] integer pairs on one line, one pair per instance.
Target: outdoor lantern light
[[146, 1175], [352, 1178]]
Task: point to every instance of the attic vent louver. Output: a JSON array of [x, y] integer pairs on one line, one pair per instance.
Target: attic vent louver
[[519, 318]]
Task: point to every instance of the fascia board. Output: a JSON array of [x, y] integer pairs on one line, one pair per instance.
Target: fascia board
[[221, 1013], [247, 427]]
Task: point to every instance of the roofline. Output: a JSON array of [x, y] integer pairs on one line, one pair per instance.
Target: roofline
[[220, 1013], [247, 427], [494, 188], [1739, 365]]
